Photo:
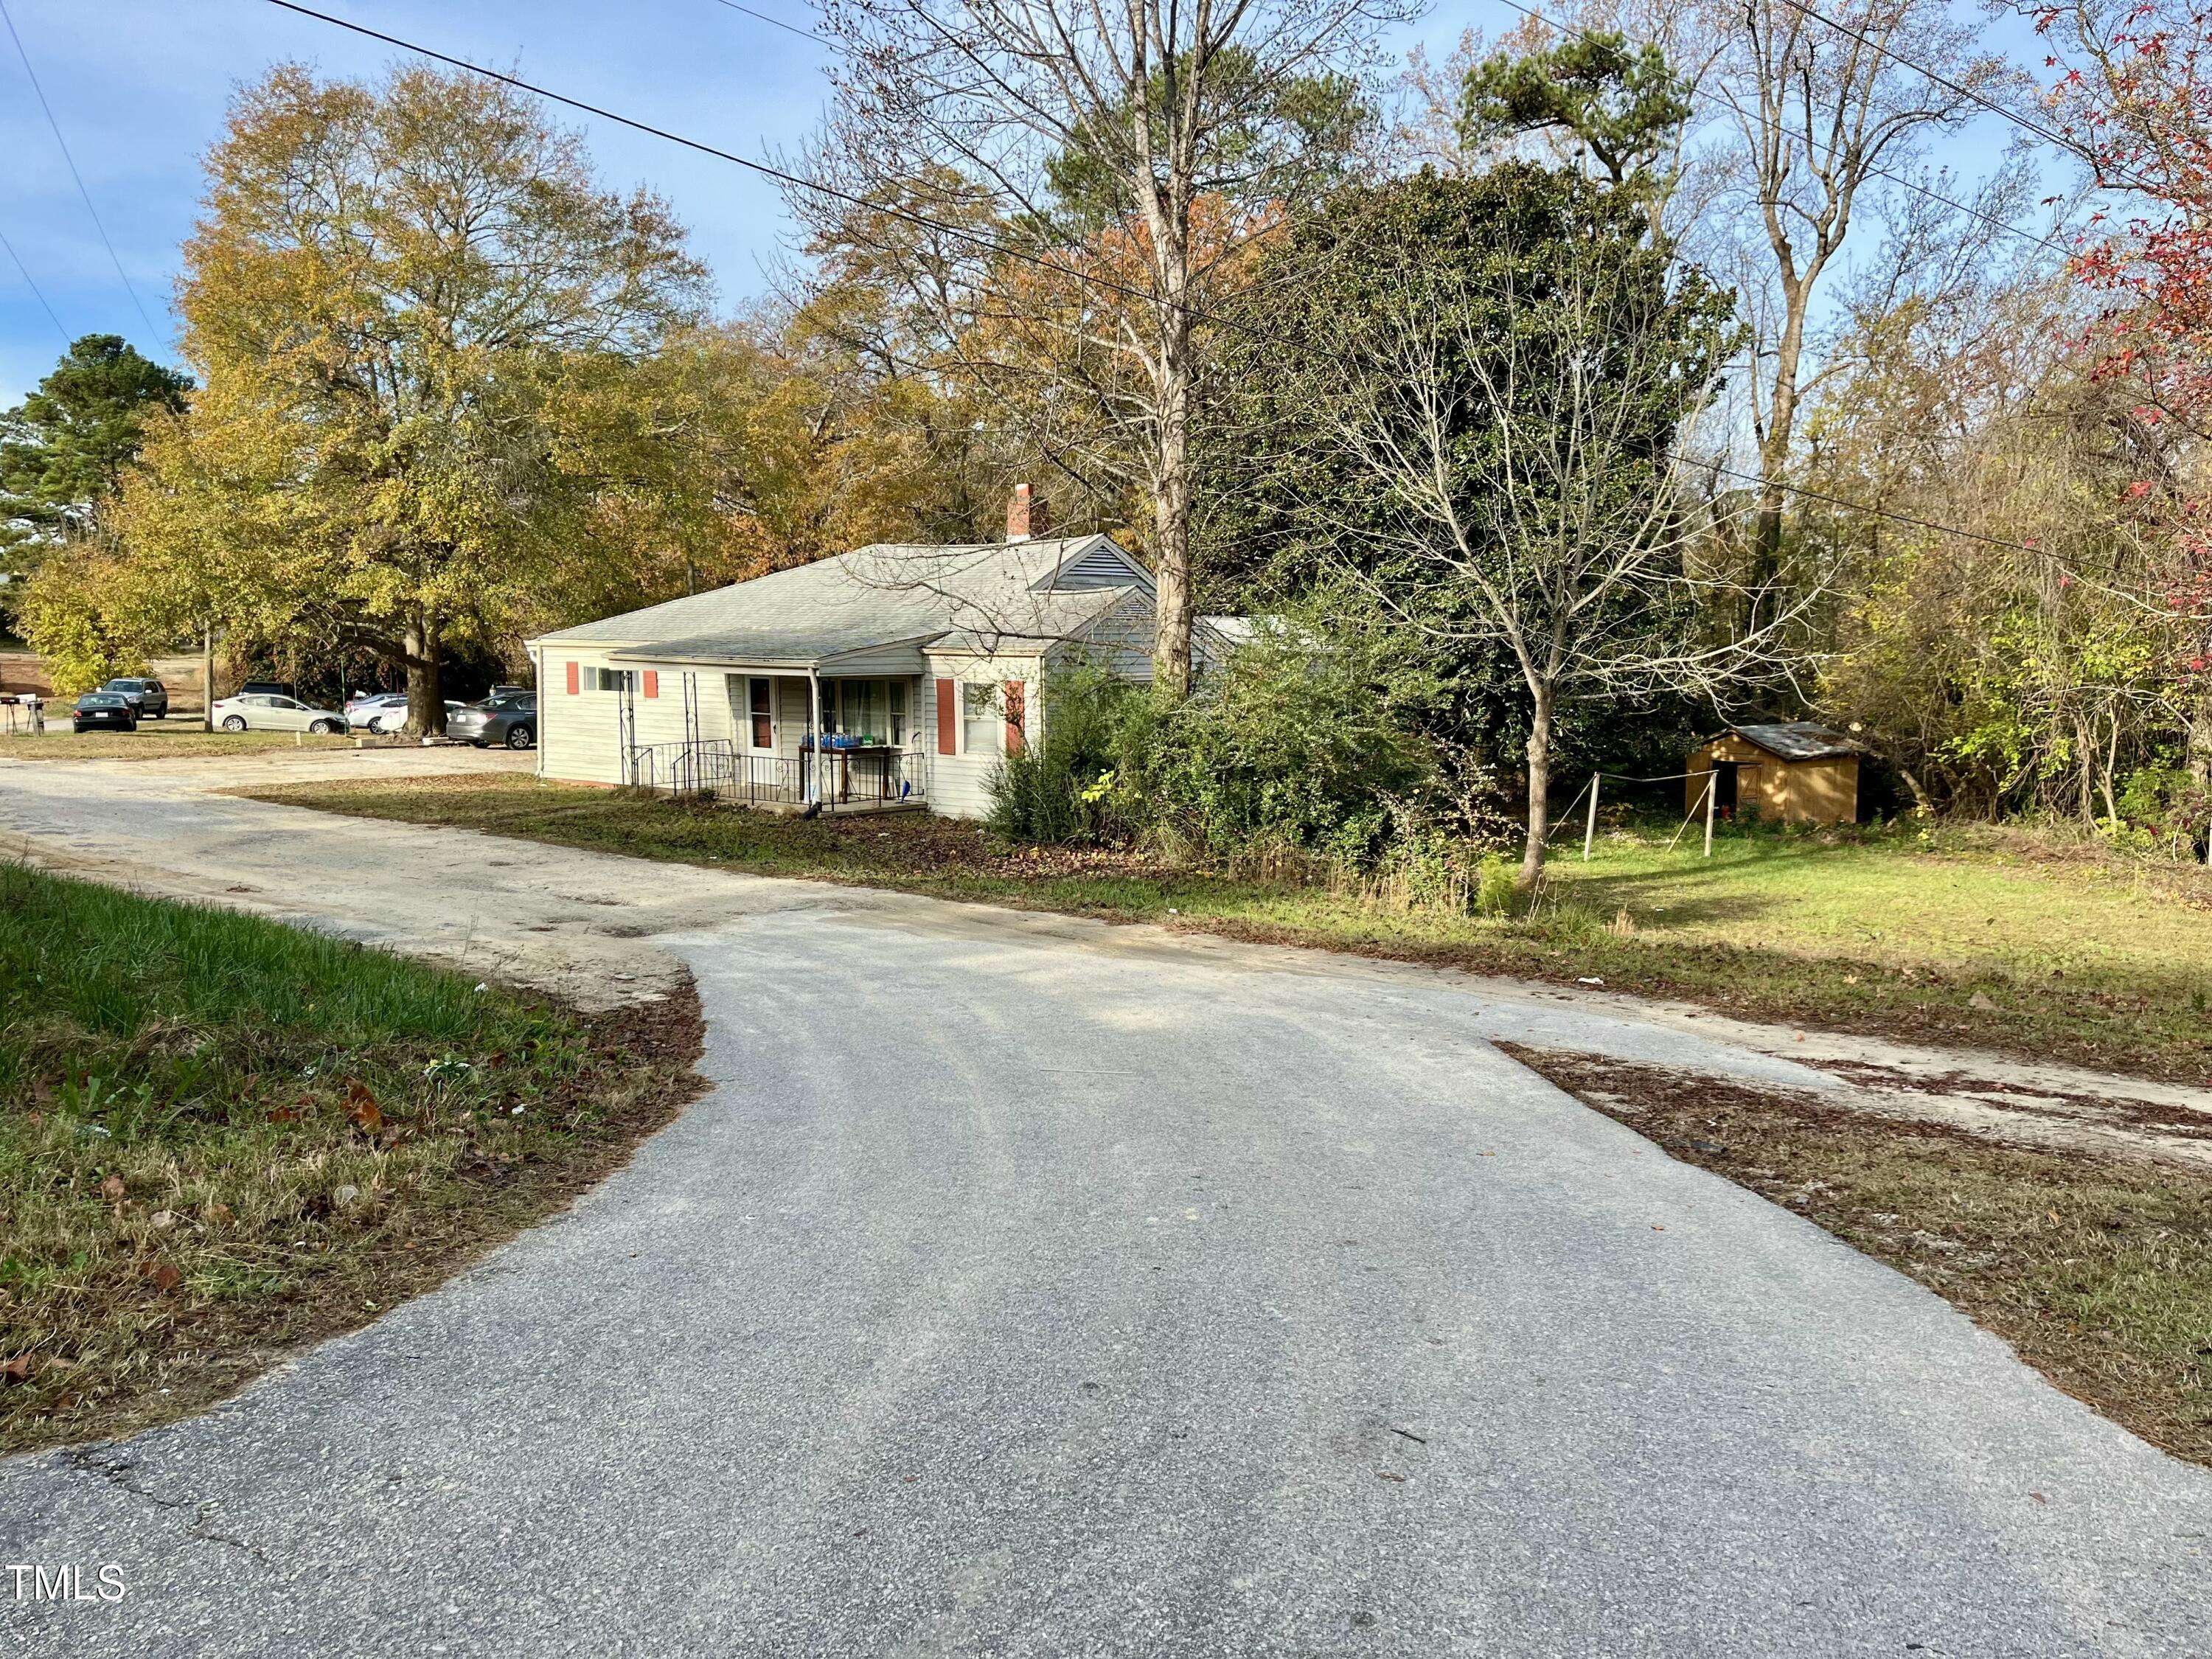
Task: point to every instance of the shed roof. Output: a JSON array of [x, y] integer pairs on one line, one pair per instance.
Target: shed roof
[[981, 596], [1798, 740]]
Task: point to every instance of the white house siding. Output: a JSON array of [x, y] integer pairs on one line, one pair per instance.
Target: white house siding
[[960, 783], [577, 736], [578, 733], [1121, 641]]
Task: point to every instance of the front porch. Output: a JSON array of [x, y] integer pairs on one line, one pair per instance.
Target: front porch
[[850, 776]]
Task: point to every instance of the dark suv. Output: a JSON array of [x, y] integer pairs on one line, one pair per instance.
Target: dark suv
[[511, 718], [149, 699]]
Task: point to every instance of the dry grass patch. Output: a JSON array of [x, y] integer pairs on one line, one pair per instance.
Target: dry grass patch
[[2098, 1272], [154, 742], [220, 1138]]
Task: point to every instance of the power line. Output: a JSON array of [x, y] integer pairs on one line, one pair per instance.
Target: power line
[[23, 270], [154, 334], [2050, 136], [776, 22], [1979, 214], [904, 216], [989, 246], [1912, 185]]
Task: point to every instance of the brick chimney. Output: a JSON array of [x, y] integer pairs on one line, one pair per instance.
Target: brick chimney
[[1026, 515]]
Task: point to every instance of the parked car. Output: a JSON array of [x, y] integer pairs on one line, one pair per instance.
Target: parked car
[[103, 711], [148, 698], [374, 710], [511, 720], [385, 711], [266, 689], [265, 711]]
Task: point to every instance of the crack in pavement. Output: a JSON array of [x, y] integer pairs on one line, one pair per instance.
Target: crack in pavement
[[87, 1459]]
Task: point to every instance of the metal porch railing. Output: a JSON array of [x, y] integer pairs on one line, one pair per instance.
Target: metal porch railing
[[871, 778]]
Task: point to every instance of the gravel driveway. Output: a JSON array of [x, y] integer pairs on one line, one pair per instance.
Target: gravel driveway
[[1025, 1287]]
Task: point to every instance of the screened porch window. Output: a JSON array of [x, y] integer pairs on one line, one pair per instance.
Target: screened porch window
[[862, 710]]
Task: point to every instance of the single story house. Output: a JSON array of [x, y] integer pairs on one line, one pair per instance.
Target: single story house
[[892, 676], [1794, 772]]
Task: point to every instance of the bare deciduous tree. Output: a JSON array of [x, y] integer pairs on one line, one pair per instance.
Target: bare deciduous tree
[[1523, 420], [1827, 104], [1095, 137]]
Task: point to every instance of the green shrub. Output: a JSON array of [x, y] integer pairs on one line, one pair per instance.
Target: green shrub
[[1072, 786], [1496, 883], [1291, 743]]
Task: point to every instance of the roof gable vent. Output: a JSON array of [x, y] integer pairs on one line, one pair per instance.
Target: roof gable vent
[[1100, 565]]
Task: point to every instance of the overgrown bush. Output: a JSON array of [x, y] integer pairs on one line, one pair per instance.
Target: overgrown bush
[[1073, 787], [1289, 748]]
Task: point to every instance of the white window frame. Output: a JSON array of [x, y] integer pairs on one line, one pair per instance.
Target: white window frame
[[611, 679], [746, 717], [997, 721]]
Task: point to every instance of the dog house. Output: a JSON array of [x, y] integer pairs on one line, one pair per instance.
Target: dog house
[[1796, 772]]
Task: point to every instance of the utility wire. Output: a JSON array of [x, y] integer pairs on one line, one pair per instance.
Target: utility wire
[[154, 335], [987, 245], [775, 22], [23, 270], [1914, 185], [2049, 135], [1979, 214], [904, 216]]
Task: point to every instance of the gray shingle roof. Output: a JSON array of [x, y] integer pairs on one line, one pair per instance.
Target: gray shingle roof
[[1798, 739], [982, 596]]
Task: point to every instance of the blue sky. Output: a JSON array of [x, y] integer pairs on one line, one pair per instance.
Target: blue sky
[[140, 88]]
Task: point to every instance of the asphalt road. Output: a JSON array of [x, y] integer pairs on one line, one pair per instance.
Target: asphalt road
[[1026, 1290]]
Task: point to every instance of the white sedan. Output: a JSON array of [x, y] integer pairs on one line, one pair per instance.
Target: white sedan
[[383, 711], [263, 711]]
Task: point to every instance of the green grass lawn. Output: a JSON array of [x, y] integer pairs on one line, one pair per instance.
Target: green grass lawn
[[220, 1137], [1980, 939]]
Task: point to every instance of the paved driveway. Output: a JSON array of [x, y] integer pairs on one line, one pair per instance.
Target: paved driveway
[[1030, 1289]]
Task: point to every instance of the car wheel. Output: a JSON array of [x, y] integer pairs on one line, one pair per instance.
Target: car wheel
[[520, 737], [321, 728], [234, 722]]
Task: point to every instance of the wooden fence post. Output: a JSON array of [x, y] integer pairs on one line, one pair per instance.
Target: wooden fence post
[[1589, 825], [1712, 794]]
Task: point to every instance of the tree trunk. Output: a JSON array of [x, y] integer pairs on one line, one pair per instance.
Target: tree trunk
[[1171, 505], [426, 703], [1540, 790], [2197, 743], [2087, 779], [1774, 452]]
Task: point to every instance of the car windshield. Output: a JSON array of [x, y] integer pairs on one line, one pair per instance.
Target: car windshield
[[100, 700], [125, 685]]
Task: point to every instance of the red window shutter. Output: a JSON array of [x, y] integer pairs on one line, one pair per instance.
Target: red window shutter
[[1016, 705], [576, 679], [948, 717], [651, 682]]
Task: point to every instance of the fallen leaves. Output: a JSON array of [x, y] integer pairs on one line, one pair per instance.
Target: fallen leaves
[[17, 1370], [361, 1106], [112, 1189]]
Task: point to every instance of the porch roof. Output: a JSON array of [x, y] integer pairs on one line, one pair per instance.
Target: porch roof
[[857, 648]]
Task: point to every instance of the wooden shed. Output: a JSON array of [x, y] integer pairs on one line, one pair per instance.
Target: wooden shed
[[1796, 772]]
